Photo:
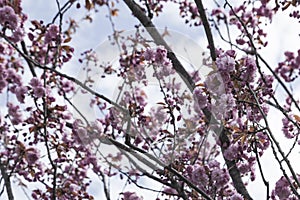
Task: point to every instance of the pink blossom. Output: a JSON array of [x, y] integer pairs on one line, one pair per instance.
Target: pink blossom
[[250, 69], [51, 34], [231, 152], [165, 70], [130, 196], [169, 190], [161, 56], [13, 77], [8, 17], [240, 41], [159, 114], [225, 63], [263, 140], [82, 132], [263, 10], [67, 86], [17, 35], [20, 93], [214, 83], [199, 175], [97, 126], [2, 49], [289, 68], [149, 54], [282, 188], [236, 197], [288, 128], [32, 155], [35, 82], [39, 92], [200, 98], [15, 113], [220, 177]]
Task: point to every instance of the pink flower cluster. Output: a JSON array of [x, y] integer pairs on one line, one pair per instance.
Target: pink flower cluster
[[52, 34], [158, 56], [159, 59], [200, 99], [51, 48], [130, 196], [3, 78], [20, 93], [251, 15], [37, 87], [283, 190], [12, 21], [32, 155], [211, 178], [87, 134], [189, 11], [250, 19], [237, 151], [15, 114], [289, 68], [155, 7], [132, 67], [8, 18], [288, 128]]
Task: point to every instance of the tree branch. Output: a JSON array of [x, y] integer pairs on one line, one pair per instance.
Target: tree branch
[[231, 165], [141, 16], [31, 67], [207, 29], [232, 168], [259, 57], [147, 23], [6, 182]]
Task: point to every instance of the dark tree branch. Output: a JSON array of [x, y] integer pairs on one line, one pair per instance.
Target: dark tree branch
[[231, 165], [142, 157], [6, 182], [261, 172], [62, 10], [207, 29], [232, 168], [31, 67], [105, 187]]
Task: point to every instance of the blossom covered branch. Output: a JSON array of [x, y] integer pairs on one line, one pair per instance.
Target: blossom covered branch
[[149, 111]]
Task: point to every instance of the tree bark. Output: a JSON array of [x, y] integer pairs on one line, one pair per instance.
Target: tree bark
[[7, 183]]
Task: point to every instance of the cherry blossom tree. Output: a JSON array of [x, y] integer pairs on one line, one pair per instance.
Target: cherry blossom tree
[[195, 121]]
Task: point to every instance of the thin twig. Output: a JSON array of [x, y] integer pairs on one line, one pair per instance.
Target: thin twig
[[261, 172], [106, 189]]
